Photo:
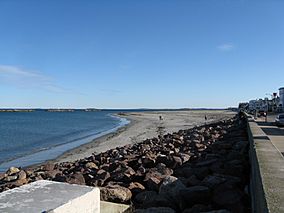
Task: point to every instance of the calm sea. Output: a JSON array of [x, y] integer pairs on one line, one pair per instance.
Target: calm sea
[[28, 138]]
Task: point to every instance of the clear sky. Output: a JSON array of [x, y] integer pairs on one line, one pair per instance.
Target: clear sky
[[136, 54]]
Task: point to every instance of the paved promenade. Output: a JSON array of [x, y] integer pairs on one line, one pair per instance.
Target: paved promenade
[[275, 133]]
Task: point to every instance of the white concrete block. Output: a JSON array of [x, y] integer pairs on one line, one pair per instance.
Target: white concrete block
[[52, 197]]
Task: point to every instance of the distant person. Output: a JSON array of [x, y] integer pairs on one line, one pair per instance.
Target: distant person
[[205, 117], [161, 118]]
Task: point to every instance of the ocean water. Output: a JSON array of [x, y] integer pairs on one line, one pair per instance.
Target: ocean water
[[28, 138]]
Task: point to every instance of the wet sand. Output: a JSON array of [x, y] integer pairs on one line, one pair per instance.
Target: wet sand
[[145, 125]]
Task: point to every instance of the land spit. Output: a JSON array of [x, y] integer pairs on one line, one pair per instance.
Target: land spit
[[202, 169]]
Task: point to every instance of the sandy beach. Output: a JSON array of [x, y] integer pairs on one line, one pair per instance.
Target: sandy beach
[[145, 125]]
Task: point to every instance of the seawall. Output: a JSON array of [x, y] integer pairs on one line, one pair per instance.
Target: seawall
[[267, 171]]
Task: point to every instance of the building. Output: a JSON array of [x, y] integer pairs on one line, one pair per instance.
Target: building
[[281, 99]]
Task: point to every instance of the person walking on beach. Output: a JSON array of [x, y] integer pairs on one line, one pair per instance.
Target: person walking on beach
[[205, 117]]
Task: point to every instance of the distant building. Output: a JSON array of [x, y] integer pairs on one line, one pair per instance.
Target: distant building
[[252, 105], [243, 106], [281, 99], [275, 104], [258, 105]]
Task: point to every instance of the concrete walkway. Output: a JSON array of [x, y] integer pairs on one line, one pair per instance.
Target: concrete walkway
[[275, 133]]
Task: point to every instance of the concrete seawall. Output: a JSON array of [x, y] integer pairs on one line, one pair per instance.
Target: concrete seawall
[[267, 171]]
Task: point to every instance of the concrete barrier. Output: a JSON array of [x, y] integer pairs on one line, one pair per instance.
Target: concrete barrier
[[267, 172], [52, 197], [108, 207]]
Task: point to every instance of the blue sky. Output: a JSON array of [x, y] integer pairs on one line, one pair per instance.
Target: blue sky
[[133, 54]]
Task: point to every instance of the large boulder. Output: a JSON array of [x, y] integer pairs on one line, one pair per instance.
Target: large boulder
[[228, 196], [212, 181], [115, 194], [194, 195], [22, 175], [170, 188], [12, 171]]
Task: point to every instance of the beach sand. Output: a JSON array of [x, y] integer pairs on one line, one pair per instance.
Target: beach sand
[[145, 125]]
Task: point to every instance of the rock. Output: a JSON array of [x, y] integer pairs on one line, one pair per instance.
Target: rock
[[201, 172], [162, 159], [226, 195], [241, 145], [29, 172], [11, 178], [123, 174], [192, 181], [148, 161], [170, 189], [185, 157], [102, 175], [12, 171], [194, 195], [145, 197], [197, 209], [115, 194], [155, 176], [20, 182], [156, 210], [212, 181], [206, 163], [153, 183], [60, 178], [162, 169], [76, 178], [91, 165], [22, 175], [176, 161], [187, 172], [48, 167], [38, 178], [50, 174], [2, 176], [160, 201], [136, 187]]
